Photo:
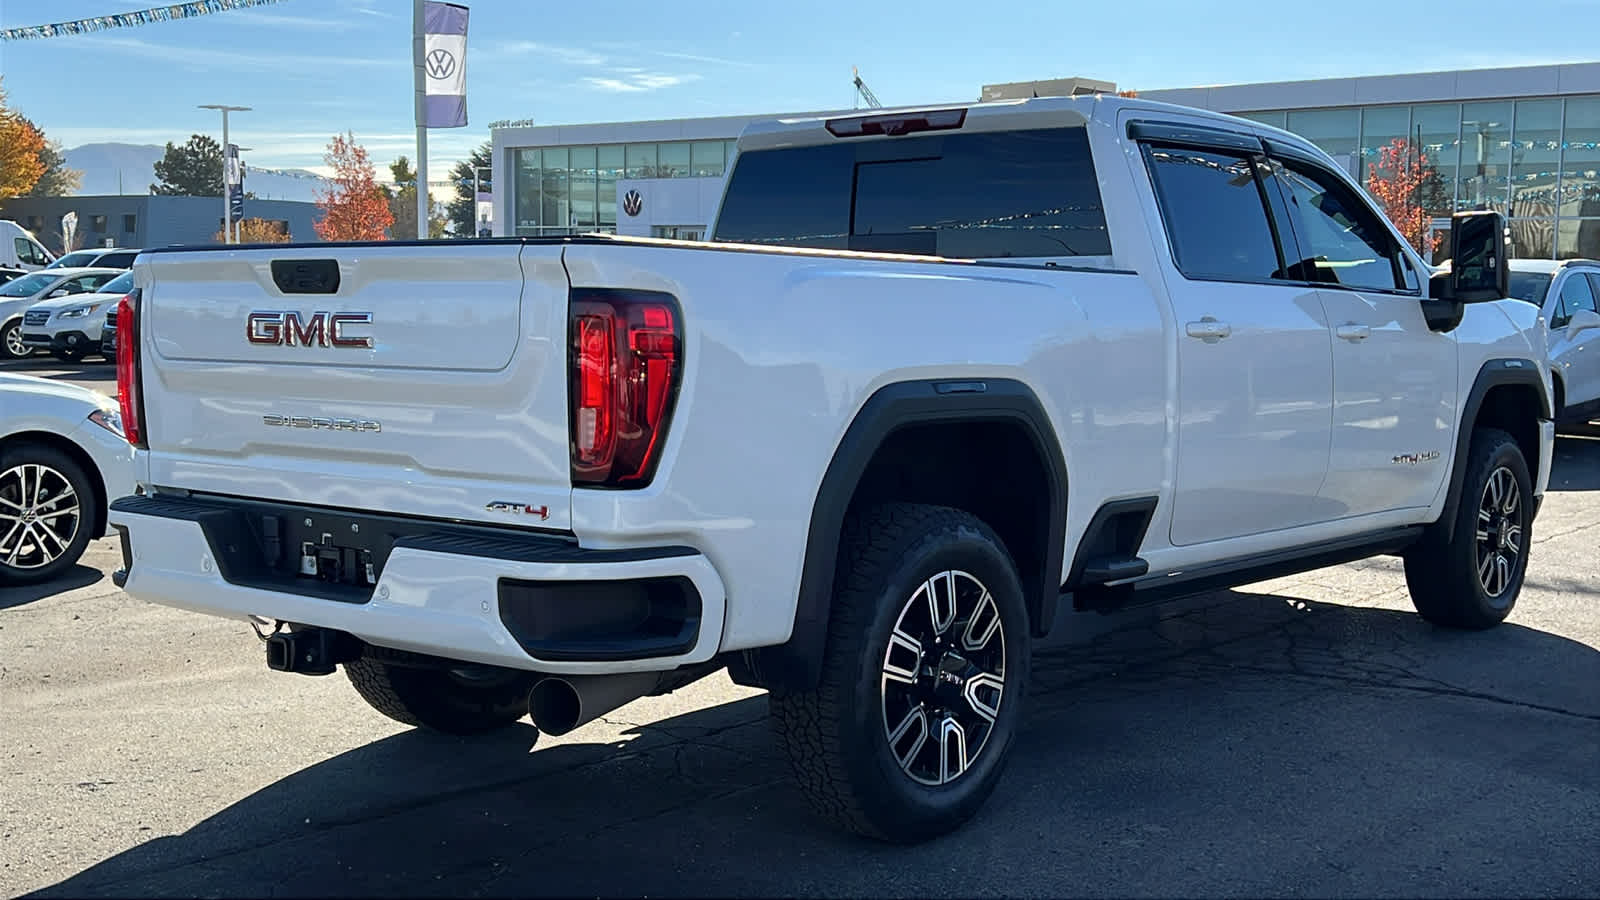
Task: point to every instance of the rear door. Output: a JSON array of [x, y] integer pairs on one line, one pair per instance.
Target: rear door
[[1254, 365], [427, 381]]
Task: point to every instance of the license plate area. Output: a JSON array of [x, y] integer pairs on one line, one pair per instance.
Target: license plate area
[[322, 553]]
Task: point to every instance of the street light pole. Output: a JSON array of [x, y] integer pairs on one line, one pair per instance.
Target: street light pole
[[227, 208], [476, 219]]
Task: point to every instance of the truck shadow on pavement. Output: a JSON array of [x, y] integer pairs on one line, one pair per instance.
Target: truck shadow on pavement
[[1245, 744], [1577, 462]]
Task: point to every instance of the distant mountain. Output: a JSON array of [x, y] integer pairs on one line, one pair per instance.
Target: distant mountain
[[130, 169]]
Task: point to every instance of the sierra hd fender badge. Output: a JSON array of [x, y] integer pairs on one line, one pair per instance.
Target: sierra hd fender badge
[[518, 509], [326, 423], [1411, 459]]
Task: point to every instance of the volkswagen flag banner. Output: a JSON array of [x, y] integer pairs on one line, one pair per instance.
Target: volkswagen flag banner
[[445, 62]]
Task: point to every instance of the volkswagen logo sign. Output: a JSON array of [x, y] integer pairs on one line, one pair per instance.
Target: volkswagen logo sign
[[632, 203], [440, 63]]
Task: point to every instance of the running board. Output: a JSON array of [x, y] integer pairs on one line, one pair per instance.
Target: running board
[[1107, 598]]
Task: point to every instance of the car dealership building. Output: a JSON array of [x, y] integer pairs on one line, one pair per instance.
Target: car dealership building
[[1524, 141]]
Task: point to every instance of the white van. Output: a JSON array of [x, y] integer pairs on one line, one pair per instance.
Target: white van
[[20, 249]]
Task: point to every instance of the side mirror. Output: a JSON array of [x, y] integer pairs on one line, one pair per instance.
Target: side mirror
[[1582, 320], [1480, 245], [58, 292]]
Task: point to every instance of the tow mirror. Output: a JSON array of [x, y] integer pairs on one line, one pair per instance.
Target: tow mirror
[[1480, 246]]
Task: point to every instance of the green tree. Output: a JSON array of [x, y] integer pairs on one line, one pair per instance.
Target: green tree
[[191, 170], [462, 211], [57, 180], [403, 204]]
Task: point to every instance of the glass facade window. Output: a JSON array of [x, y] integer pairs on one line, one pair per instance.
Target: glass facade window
[[565, 190], [1485, 156], [1381, 126], [1333, 130], [1536, 160]]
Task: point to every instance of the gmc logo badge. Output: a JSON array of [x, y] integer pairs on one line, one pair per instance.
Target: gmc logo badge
[[285, 328]]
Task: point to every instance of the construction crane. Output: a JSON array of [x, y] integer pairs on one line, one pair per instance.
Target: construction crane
[[863, 92]]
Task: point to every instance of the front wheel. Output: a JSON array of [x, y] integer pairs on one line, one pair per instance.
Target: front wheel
[[47, 507], [1473, 580], [923, 676]]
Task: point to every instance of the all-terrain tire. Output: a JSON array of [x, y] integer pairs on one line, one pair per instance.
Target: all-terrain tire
[[1472, 581], [838, 735], [440, 699]]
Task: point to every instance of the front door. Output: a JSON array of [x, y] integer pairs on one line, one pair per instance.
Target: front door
[[1254, 362], [1394, 380], [1575, 357]]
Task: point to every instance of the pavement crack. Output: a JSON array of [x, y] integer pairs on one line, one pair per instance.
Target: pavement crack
[[1441, 691]]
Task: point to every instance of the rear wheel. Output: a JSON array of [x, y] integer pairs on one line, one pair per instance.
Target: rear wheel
[[923, 676], [11, 345], [1473, 580], [464, 700]]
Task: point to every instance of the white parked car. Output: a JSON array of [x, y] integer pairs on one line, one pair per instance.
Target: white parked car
[[1568, 293], [99, 257], [63, 458], [20, 295], [70, 327]]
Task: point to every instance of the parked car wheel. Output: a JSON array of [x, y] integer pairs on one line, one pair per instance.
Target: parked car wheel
[[11, 345], [47, 504]]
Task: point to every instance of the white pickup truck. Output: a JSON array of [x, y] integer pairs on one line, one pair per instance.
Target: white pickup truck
[[938, 373]]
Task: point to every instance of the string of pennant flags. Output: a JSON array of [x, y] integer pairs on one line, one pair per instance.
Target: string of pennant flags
[[129, 19]]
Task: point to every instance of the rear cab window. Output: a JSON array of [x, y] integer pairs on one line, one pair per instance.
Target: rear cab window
[[1021, 195]]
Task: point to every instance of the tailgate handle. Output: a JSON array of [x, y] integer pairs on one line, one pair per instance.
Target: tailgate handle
[[306, 276]]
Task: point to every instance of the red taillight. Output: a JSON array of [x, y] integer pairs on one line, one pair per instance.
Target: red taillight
[[626, 359], [128, 396]]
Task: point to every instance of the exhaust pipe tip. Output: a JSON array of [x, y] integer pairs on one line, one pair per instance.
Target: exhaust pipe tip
[[555, 706]]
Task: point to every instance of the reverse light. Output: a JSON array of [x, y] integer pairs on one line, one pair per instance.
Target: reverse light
[[898, 123], [626, 358], [129, 398]]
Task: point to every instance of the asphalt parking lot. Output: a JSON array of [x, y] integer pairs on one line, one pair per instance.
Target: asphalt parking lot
[[1309, 736]]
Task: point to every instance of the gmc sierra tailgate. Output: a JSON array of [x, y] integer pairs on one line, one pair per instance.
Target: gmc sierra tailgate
[[420, 380]]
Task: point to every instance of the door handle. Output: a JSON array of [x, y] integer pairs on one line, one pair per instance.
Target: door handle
[[1208, 329], [1353, 333]]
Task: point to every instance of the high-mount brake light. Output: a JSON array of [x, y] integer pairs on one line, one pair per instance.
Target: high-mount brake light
[[898, 123], [129, 397], [626, 359]]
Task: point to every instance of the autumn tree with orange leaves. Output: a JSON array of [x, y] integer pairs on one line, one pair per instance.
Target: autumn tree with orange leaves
[[20, 147], [354, 208], [1409, 189]]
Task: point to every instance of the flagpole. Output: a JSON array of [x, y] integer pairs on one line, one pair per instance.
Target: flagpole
[[420, 84]]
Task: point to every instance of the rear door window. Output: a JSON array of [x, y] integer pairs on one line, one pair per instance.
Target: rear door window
[[980, 195], [1215, 212]]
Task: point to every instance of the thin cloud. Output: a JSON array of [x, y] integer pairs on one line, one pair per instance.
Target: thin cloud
[[229, 59], [577, 56], [633, 82]]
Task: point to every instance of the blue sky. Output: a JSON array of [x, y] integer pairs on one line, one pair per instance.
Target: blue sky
[[311, 68]]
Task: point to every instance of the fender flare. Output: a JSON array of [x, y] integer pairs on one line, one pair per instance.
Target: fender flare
[[1503, 372], [797, 664]]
